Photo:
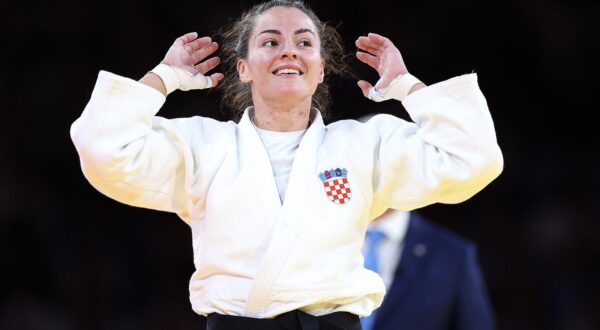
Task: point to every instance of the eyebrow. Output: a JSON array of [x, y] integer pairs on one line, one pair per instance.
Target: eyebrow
[[299, 31]]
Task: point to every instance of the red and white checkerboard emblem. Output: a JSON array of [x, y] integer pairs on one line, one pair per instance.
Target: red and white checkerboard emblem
[[337, 188]]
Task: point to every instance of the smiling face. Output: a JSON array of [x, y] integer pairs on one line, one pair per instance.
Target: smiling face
[[284, 60]]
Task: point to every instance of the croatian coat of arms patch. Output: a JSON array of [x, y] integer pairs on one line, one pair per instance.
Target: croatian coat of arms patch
[[336, 185]]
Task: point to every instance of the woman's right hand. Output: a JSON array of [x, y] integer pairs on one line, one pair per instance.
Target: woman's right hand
[[189, 52]]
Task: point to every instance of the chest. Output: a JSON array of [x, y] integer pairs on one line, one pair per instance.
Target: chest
[[326, 191]]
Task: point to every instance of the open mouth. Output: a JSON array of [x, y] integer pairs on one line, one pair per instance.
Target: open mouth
[[282, 72]]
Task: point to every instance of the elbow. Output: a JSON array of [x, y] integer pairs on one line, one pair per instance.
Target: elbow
[[488, 170], [81, 138], [478, 176], [85, 142], [494, 164], [486, 164], [96, 160]]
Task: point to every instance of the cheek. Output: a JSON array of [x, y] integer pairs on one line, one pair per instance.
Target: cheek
[[260, 58], [259, 65], [316, 62]]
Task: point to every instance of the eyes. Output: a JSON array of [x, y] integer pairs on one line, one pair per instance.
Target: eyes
[[270, 43], [274, 43]]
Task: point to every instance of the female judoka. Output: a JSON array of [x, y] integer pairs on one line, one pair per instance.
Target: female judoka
[[278, 202]]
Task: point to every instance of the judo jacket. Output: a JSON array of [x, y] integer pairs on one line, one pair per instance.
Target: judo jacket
[[254, 255]]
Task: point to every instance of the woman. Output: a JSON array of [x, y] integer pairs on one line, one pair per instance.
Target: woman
[[278, 203]]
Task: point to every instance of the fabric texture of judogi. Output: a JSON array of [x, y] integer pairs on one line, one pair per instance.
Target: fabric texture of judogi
[[253, 255]]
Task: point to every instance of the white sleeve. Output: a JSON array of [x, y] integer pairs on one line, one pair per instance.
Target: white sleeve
[[128, 153], [446, 155]]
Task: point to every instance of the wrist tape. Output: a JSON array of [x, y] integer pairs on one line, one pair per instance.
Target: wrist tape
[[398, 89], [176, 78]]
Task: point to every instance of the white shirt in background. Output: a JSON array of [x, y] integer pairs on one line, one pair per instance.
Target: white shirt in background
[[394, 225]]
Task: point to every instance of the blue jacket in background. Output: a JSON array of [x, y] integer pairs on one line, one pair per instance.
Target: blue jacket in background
[[437, 285]]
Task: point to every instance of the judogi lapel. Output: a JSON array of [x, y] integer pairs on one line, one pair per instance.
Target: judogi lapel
[[255, 160], [287, 217]]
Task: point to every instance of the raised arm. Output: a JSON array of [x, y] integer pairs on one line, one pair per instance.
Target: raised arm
[[447, 154], [133, 156]]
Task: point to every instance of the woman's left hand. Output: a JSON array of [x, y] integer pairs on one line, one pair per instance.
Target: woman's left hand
[[381, 54]]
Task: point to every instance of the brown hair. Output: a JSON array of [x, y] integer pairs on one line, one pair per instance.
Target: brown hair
[[236, 95]]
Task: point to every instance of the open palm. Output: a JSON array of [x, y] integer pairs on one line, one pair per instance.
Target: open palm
[[379, 53], [189, 52]]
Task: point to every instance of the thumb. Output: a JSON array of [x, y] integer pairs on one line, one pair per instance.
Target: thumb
[[384, 82], [364, 87], [215, 78]]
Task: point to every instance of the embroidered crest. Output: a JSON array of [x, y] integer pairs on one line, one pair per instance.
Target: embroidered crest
[[336, 185]]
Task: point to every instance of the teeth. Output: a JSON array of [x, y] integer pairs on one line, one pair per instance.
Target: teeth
[[287, 71]]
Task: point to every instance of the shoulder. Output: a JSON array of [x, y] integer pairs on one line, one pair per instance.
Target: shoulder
[[375, 121], [203, 129], [377, 126], [199, 121], [343, 125]]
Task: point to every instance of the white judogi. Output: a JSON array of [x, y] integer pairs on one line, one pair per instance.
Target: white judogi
[[255, 256]]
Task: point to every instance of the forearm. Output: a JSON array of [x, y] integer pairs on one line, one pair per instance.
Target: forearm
[[119, 113], [416, 87], [120, 153], [153, 80], [447, 155], [458, 135]]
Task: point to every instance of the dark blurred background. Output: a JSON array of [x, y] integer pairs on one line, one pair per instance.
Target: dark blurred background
[[71, 258]]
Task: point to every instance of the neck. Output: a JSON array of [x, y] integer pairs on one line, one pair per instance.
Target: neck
[[282, 117]]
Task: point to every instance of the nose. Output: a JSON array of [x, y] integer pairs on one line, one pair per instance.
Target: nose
[[289, 50]]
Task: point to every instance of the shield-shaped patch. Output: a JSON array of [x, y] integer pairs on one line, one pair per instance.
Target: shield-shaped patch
[[337, 188]]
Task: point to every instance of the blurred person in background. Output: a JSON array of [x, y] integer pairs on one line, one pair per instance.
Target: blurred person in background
[[432, 276]]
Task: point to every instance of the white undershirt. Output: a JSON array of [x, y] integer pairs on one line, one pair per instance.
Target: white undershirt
[[394, 225], [281, 148]]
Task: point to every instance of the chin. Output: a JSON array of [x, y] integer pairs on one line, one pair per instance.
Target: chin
[[291, 92]]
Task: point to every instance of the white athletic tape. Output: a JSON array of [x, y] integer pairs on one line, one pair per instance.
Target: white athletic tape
[[177, 78], [398, 89]]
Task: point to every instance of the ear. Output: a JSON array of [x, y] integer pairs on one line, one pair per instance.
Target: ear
[[322, 73], [243, 72]]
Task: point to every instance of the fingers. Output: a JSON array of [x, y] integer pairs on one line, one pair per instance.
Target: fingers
[[208, 65], [364, 43], [184, 39], [379, 39], [196, 44], [368, 59], [374, 43], [215, 78], [364, 87], [204, 52]]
